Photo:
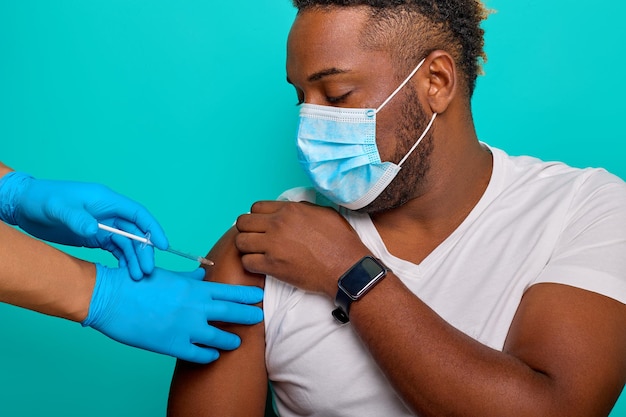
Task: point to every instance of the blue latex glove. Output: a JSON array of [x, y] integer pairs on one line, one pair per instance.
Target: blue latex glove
[[167, 312], [68, 213]]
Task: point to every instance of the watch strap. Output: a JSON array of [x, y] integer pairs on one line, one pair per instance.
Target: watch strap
[[343, 302]]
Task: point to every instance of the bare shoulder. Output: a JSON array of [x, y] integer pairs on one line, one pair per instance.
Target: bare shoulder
[[228, 268], [236, 384], [576, 338]]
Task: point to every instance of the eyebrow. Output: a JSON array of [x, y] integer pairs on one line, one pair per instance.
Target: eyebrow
[[323, 73]]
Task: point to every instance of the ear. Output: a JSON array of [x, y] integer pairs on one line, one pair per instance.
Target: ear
[[441, 80]]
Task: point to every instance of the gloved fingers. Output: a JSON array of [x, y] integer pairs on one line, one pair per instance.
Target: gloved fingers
[[156, 231], [236, 293], [135, 213], [110, 246], [78, 221], [135, 251], [216, 338], [229, 312], [121, 261], [127, 249], [145, 256], [143, 252], [197, 354], [197, 274]]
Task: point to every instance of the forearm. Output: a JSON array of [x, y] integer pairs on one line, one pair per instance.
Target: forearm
[[39, 277], [4, 170], [438, 370]]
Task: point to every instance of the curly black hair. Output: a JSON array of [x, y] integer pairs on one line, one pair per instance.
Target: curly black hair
[[410, 29]]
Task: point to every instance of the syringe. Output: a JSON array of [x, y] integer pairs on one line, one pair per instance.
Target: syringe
[[146, 241]]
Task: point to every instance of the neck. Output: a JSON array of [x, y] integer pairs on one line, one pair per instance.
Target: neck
[[458, 177]]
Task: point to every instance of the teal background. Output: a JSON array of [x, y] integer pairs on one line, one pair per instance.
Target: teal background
[[183, 106]]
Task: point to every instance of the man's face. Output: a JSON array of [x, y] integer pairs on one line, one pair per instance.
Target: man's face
[[328, 66]]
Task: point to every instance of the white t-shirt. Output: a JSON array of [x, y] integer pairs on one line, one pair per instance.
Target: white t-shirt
[[536, 222]]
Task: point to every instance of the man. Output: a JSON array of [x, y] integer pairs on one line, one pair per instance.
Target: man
[[468, 282]]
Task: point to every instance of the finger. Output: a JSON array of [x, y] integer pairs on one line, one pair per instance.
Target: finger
[[138, 215], [105, 240], [144, 253], [229, 312], [128, 253], [129, 227], [145, 257], [213, 337], [79, 222], [235, 293], [120, 260], [197, 354], [197, 274], [255, 263], [267, 207], [247, 242], [148, 224], [252, 223], [117, 252]]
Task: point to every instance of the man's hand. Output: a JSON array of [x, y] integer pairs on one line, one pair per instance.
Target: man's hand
[[306, 245]]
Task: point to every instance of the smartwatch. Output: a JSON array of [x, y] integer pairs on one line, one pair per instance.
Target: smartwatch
[[355, 283]]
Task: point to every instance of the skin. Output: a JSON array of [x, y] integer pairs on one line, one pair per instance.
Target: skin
[[198, 390], [52, 282], [565, 354], [4, 170]]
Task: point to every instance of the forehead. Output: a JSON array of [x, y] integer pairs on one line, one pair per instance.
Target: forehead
[[329, 38]]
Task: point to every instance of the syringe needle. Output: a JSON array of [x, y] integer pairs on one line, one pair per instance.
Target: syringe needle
[[200, 259], [146, 241]]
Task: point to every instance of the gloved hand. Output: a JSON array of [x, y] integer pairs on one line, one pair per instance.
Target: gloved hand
[[68, 213], [167, 312]]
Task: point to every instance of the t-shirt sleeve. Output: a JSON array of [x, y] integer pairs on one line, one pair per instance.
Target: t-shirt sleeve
[[591, 250]]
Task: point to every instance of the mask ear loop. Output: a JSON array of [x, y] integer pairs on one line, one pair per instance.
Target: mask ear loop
[[406, 80], [401, 85], [432, 119]]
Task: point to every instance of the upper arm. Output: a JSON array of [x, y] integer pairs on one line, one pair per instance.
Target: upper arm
[[235, 384], [577, 339]]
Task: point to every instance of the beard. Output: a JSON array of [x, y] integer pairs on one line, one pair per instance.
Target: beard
[[411, 124]]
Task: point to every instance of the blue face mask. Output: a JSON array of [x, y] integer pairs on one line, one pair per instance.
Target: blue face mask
[[337, 150]]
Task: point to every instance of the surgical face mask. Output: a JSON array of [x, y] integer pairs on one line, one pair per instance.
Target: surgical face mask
[[337, 150]]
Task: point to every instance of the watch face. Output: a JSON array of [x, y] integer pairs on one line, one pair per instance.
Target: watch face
[[361, 277]]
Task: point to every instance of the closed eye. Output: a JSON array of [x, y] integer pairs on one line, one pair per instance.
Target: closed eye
[[338, 100], [330, 100]]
